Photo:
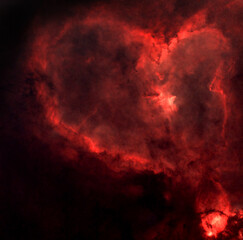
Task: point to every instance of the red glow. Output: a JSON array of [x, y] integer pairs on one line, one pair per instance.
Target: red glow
[[214, 223], [161, 95]]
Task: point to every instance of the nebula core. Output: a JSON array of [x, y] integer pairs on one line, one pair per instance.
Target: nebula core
[[124, 121]]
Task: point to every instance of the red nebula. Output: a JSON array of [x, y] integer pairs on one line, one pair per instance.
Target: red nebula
[[137, 101]]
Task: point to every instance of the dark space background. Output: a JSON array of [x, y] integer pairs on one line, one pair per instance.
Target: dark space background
[[43, 196]]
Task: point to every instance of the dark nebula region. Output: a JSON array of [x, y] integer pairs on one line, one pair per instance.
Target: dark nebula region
[[121, 120]]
